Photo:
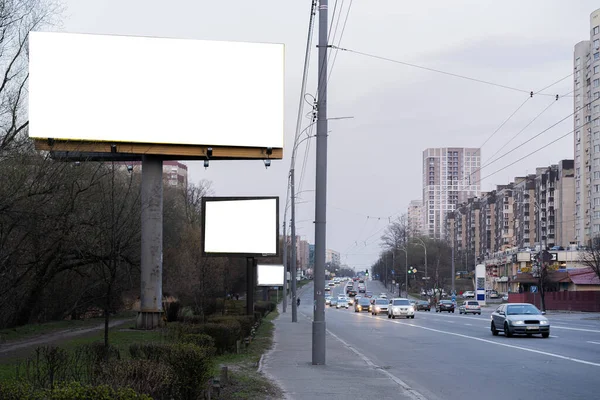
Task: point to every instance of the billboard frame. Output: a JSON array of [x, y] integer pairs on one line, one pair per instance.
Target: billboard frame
[[240, 198]]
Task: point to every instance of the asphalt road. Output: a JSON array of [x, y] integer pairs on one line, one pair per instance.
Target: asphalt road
[[452, 356]]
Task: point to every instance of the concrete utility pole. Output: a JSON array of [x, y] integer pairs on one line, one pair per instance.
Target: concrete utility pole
[[318, 328], [453, 267], [150, 315], [294, 267], [285, 263]]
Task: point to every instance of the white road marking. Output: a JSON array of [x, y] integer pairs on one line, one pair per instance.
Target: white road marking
[[592, 342], [469, 324], [409, 391], [501, 344]]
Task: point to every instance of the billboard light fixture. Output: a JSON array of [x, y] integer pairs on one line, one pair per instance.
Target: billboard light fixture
[[267, 163], [205, 164], [209, 152]]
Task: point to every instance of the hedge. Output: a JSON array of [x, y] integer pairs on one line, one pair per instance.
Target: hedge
[[246, 322], [192, 367], [67, 391], [199, 339], [265, 307], [225, 334]]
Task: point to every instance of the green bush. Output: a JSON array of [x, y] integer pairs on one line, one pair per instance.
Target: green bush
[[174, 331], [192, 367], [265, 307], [97, 352], [148, 351], [225, 334], [199, 339], [191, 319], [257, 316], [246, 322], [47, 366], [143, 376], [67, 391]]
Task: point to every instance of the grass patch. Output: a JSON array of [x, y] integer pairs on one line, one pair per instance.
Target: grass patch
[[29, 331], [245, 382]]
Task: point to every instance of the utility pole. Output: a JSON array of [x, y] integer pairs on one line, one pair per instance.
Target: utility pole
[[453, 267], [293, 197], [285, 263], [318, 328]]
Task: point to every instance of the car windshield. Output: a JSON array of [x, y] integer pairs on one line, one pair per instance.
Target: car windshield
[[401, 302], [423, 302], [381, 302], [522, 309], [446, 302], [472, 303], [364, 302]]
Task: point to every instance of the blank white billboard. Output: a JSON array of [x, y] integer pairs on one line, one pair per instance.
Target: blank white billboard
[[269, 275], [155, 90], [241, 226]]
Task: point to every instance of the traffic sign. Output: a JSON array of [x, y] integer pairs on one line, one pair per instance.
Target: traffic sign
[[533, 289], [426, 277]]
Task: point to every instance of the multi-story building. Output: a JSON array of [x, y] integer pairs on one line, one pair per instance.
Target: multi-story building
[[302, 254], [487, 224], [175, 174], [524, 210], [586, 83], [473, 219], [504, 234], [332, 257], [450, 176], [565, 204], [415, 218]]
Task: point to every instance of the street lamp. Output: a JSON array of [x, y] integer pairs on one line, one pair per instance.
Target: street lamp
[[422, 244], [402, 248]]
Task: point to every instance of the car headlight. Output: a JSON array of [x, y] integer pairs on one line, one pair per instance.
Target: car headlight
[[411, 309], [377, 309], [544, 323], [517, 322], [359, 307]]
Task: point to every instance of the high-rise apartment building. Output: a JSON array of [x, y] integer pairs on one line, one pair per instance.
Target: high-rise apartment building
[[415, 218], [450, 176], [586, 83]]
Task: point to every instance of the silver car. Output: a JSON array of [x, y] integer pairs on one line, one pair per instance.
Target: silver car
[[470, 306], [379, 306], [520, 318]]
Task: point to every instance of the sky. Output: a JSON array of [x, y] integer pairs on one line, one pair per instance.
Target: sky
[[374, 158]]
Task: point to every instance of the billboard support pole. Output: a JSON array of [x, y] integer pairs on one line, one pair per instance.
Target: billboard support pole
[[150, 314], [319, 327], [250, 278]]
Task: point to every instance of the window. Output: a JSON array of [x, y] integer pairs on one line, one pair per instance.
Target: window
[[577, 122], [595, 30], [596, 95], [597, 108], [597, 148], [597, 201], [596, 188], [596, 43], [596, 163], [596, 56], [596, 82], [596, 136], [577, 85], [596, 69], [577, 61], [578, 135], [577, 74], [596, 228], [596, 175], [596, 122]]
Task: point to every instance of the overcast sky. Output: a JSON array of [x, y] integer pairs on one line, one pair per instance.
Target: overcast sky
[[375, 158]]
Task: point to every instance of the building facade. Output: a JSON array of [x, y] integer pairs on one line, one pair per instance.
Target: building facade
[[586, 84], [450, 176], [415, 218]]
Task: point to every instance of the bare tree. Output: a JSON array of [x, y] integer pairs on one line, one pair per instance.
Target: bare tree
[[591, 257], [17, 19]]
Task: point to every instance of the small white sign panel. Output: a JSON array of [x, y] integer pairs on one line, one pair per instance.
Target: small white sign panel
[[270, 275], [155, 90], [241, 226]]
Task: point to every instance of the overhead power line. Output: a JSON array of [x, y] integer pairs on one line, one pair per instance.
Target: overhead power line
[[442, 72], [340, 40]]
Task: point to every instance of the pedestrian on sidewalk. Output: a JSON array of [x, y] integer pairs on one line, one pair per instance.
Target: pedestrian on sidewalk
[[298, 301]]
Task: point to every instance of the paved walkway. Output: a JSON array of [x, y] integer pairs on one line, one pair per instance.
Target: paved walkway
[[346, 375]]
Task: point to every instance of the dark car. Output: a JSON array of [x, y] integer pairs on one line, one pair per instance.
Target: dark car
[[445, 305], [369, 294], [352, 293], [423, 305], [362, 305]]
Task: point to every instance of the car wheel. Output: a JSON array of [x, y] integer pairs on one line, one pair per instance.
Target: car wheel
[[546, 335], [507, 331], [413, 317], [478, 313], [494, 330], [393, 317], [452, 311]]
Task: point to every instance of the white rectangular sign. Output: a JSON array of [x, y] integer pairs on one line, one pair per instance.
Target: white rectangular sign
[[241, 226], [269, 275], [155, 90]]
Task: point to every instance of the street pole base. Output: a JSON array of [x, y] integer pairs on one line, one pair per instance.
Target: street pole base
[[318, 343], [149, 320]]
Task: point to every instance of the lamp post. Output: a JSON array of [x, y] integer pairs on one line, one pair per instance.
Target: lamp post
[[422, 244], [402, 248]]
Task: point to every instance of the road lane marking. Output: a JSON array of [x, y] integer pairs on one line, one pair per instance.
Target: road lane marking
[[410, 392], [469, 324], [592, 342], [501, 344]]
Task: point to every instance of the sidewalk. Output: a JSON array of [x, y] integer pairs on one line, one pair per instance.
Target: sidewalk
[[346, 374]]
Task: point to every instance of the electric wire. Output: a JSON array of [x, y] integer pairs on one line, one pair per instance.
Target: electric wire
[[539, 134], [340, 40], [442, 72]]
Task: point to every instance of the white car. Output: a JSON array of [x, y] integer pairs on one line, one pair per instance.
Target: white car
[[382, 296], [468, 294], [401, 307], [328, 300], [342, 302]]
